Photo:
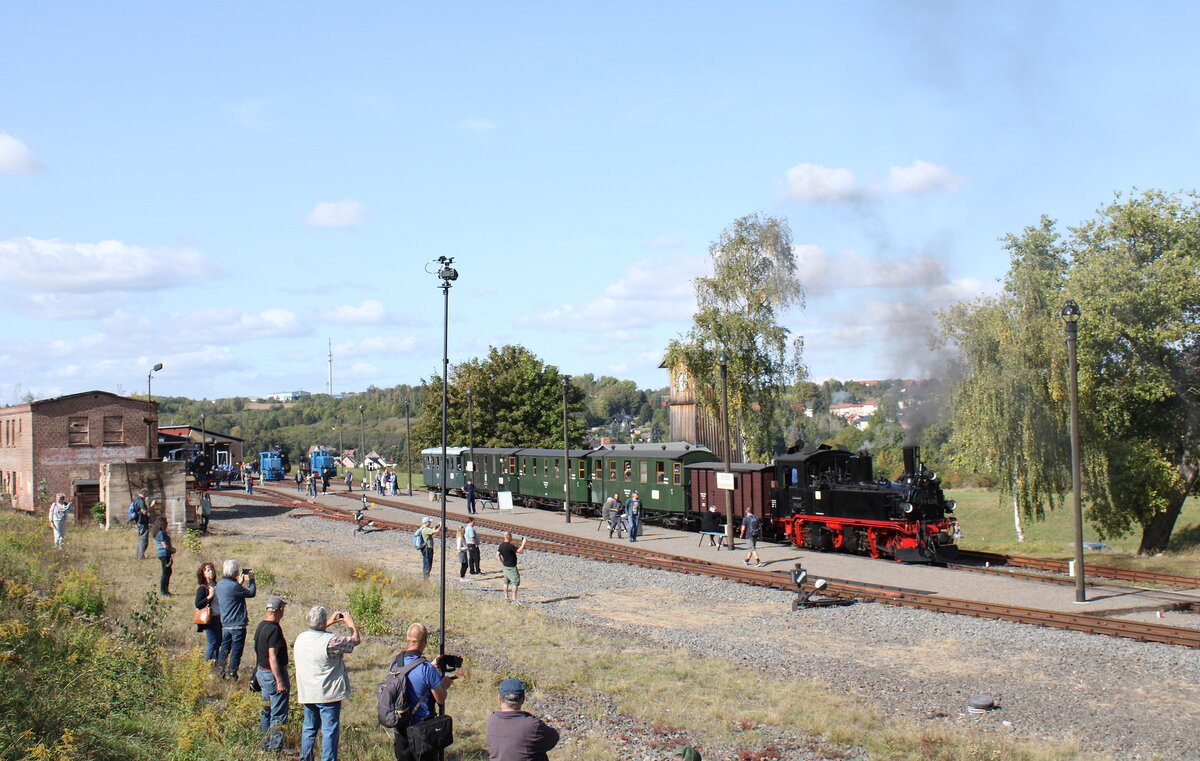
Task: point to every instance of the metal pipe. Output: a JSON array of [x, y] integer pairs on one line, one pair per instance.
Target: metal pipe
[[1070, 313], [566, 381], [724, 360]]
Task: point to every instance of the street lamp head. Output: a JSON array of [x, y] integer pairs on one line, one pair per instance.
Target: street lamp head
[[156, 368], [1070, 311], [445, 271], [566, 379], [723, 358]]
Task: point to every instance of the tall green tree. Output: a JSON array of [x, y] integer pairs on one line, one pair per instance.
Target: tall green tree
[[1136, 276], [1135, 272], [1009, 419], [740, 312], [517, 401]]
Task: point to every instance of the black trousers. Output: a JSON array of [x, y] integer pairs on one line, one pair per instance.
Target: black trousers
[[164, 581], [473, 558]]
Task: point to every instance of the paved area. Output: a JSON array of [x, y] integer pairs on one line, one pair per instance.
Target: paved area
[[1105, 600]]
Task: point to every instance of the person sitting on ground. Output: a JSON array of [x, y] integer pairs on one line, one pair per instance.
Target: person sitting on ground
[[515, 735]]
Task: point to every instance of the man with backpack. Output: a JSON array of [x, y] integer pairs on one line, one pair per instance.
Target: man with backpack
[[139, 516], [407, 694], [751, 530], [423, 542]]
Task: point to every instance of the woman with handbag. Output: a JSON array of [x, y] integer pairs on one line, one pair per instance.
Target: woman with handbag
[[461, 543], [207, 617]]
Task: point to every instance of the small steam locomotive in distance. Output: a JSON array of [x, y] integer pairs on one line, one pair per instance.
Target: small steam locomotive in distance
[[828, 499]]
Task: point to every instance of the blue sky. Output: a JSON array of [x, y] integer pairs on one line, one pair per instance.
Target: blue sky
[[227, 187]]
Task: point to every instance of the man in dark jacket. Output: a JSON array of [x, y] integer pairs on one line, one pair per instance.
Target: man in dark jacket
[[513, 734]]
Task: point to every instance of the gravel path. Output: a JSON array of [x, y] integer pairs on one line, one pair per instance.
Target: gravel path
[[1133, 700]]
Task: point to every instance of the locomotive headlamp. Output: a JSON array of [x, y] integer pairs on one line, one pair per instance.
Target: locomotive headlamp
[[906, 507], [950, 505]]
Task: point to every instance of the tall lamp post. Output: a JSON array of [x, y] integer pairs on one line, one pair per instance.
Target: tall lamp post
[[724, 360], [471, 434], [447, 274], [408, 443], [362, 438], [1070, 315], [151, 421], [203, 440], [566, 381]]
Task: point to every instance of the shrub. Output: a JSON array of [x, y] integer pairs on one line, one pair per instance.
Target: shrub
[[191, 541], [366, 605], [83, 591], [264, 575], [98, 512]]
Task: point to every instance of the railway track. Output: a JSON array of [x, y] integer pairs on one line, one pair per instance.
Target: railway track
[[1048, 565], [592, 549]]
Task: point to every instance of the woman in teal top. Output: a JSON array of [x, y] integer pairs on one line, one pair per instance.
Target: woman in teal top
[[165, 555]]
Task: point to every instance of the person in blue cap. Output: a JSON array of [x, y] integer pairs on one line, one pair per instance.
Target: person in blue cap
[[513, 734]]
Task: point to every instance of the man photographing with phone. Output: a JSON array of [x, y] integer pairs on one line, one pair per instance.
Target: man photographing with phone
[[321, 679]]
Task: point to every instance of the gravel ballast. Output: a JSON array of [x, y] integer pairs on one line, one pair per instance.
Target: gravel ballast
[[1129, 699]]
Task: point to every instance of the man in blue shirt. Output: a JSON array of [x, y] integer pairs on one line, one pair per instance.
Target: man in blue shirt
[[423, 685], [471, 537], [231, 601]]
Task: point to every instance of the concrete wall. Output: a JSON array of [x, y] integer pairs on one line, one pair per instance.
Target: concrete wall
[[165, 482]]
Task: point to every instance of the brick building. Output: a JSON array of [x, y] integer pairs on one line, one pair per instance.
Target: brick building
[[54, 445]]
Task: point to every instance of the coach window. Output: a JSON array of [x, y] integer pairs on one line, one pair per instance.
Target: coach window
[[628, 470], [677, 473], [512, 466], [598, 470], [643, 469], [114, 429], [582, 470], [557, 468], [77, 431], [660, 472], [524, 465], [612, 470]]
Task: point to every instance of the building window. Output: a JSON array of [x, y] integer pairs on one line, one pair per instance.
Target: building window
[[77, 431], [114, 429]]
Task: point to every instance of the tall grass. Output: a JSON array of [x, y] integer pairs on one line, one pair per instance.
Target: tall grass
[[137, 687]]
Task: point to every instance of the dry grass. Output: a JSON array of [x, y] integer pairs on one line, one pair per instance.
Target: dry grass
[[711, 699]]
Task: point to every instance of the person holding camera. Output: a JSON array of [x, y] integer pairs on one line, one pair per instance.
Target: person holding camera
[[423, 685], [321, 679], [231, 601]]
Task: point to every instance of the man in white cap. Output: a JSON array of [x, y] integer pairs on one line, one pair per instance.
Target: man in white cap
[[513, 734], [428, 531]]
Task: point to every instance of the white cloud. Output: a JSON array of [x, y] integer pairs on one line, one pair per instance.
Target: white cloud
[[249, 113], [822, 184], [219, 326], [919, 178], [376, 346], [336, 214], [478, 125], [813, 182], [369, 312], [16, 158], [651, 292], [61, 266]]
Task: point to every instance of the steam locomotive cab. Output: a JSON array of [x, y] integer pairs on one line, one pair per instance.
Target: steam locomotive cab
[[828, 499]]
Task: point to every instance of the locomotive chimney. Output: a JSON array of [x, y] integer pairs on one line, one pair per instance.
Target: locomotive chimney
[[912, 456]]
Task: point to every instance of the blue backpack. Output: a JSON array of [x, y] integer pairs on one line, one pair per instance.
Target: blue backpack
[[418, 540]]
